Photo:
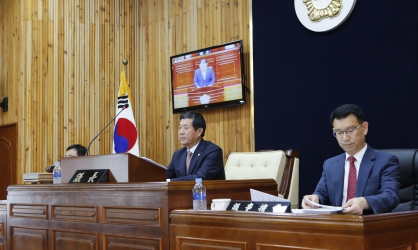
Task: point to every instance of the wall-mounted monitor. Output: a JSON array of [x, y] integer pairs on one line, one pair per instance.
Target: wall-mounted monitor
[[208, 78]]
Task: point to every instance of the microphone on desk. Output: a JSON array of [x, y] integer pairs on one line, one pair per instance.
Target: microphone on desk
[[123, 108]]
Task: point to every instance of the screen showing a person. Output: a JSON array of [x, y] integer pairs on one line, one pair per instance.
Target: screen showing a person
[[208, 78]]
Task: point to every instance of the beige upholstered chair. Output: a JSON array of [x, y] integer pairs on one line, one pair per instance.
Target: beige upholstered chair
[[278, 165]]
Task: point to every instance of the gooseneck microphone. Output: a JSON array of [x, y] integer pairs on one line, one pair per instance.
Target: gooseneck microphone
[[88, 148]]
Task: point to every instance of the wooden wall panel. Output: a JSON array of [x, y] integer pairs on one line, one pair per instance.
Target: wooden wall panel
[[60, 64]]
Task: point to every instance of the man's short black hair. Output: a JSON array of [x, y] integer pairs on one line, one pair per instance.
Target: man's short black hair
[[346, 110], [81, 150], [197, 120]]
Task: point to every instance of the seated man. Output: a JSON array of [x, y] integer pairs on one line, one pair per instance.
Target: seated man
[[75, 150], [72, 151], [198, 158], [362, 180]]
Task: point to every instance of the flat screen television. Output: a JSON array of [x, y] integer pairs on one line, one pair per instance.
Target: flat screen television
[[208, 78]]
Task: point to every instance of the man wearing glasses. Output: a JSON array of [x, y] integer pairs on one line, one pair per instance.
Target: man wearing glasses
[[362, 180]]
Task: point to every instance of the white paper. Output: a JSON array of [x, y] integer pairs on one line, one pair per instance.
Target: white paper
[[324, 207], [320, 211], [261, 196]]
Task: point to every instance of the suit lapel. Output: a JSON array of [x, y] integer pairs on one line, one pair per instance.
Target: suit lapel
[[200, 148], [182, 162], [366, 166], [339, 179]]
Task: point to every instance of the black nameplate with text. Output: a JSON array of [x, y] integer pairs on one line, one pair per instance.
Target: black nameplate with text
[[260, 206], [90, 176]]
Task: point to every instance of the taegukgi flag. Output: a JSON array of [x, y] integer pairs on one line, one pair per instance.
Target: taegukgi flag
[[125, 136]]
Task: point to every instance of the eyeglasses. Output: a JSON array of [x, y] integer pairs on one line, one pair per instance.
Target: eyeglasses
[[350, 131]]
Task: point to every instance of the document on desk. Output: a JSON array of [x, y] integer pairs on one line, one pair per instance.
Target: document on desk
[[322, 209], [264, 197], [260, 196]]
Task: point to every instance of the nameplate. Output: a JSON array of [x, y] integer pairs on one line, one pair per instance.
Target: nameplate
[[90, 176], [260, 206]]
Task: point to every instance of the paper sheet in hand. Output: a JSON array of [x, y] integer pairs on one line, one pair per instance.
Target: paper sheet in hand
[[260, 196], [322, 209]]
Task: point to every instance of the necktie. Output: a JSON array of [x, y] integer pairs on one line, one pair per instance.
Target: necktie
[[352, 179], [189, 157]]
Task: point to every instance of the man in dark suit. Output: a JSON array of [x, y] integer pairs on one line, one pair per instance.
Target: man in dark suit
[[362, 180], [205, 158], [75, 150], [204, 76]]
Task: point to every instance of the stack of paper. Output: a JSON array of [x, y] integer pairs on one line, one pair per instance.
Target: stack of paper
[[38, 177], [318, 208], [322, 209]]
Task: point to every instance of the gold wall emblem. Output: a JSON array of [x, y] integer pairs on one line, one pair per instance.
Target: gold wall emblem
[[319, 9]]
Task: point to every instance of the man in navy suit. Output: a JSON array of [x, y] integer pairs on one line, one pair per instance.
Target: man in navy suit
[[377, 186], [206, 159], [204, 76]]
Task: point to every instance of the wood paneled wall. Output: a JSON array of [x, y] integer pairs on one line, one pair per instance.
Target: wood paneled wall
[[60, 63]]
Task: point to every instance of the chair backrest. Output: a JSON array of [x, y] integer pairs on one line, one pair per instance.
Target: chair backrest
[[281, 166], [408, 169], [289, 186], [255, 165]]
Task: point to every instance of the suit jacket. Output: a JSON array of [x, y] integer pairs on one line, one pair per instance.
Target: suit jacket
[[378, 181], [206, 163], [208, 81]]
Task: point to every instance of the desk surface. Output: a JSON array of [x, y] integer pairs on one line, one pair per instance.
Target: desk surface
[[252, 230]]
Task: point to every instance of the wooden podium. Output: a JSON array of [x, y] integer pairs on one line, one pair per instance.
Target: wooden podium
[[107, 216], [122, 167], [131, 212]]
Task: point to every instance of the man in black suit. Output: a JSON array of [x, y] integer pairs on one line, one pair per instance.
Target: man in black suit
[[205, 158], [75, 150]]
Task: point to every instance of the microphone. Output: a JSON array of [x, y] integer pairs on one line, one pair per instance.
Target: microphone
[[124, 107]]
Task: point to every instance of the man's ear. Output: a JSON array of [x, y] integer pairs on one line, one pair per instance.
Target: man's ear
[[365, 127]]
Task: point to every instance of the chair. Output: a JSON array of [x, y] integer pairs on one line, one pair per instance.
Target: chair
[[408, 168], [281, 166], [289, 186]]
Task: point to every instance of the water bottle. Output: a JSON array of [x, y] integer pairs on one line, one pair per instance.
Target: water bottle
[[199, 195], [57, 173]]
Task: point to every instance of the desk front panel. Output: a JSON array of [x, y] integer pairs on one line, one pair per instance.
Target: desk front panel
[[268, 231], [87, 217]]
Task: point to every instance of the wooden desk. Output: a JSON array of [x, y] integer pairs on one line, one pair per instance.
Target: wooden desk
[[106, 216], [267, 231]]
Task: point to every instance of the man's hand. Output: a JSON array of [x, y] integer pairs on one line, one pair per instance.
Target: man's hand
[[356, 206], [312, 197]]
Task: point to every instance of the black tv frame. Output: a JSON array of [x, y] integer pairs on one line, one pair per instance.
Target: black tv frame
[[201, 54]]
